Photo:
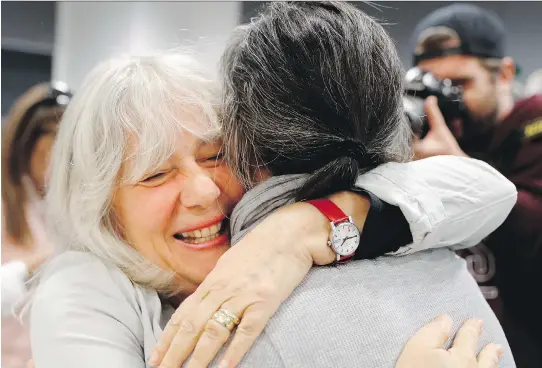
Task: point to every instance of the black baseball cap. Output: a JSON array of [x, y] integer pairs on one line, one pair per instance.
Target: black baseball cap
[[481, 32]]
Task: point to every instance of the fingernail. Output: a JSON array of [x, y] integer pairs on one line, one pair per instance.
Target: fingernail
[[500, 351], [154, 358], [445, 321], [223, 364], [480, 324]]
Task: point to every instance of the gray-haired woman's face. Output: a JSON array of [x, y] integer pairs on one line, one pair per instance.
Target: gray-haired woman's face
[[175, 215]]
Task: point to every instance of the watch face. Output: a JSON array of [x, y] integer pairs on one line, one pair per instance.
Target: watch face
[[345, 238]]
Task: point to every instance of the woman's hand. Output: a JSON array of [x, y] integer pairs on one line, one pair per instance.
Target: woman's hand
[[424, 349], [250, 280]]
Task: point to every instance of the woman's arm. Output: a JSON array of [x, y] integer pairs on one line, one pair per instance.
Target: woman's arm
[[448, 201], [443, 201], [80, 317], [383, 227]]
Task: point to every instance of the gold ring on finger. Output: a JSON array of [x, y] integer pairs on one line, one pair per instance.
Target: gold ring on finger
[[232, 316], [225, 319]]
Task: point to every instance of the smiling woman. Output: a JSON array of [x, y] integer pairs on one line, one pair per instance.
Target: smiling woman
[[138, 188], [190, 241], [126, 208]]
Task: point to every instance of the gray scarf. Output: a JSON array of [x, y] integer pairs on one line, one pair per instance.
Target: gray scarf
[[260, 201]]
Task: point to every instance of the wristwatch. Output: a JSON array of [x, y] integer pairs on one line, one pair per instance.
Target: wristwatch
[[345, 236]]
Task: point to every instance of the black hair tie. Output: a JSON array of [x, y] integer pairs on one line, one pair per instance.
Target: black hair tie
[[357, 151]]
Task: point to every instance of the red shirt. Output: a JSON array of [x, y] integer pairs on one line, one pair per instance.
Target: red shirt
[[515, 248]]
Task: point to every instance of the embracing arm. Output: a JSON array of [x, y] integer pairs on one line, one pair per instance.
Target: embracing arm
[[448, 201], [79, 318], [442, 201]]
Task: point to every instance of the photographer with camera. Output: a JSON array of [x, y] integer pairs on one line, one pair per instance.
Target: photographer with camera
[[460, 63]]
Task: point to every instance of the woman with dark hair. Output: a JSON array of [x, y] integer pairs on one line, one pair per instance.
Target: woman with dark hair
[[313, 100]]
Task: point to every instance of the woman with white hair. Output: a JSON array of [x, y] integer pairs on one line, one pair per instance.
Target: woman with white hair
[[139, 198]]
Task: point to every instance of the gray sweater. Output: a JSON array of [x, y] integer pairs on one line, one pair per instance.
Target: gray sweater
[[87, 313]]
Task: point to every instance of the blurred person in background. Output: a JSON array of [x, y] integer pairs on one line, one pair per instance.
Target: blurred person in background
[[533, 85], [27, 139], [139, 199], [466, 44]]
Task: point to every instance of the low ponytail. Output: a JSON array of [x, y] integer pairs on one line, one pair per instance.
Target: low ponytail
[[316, 89], [337, 175], [349, 158]]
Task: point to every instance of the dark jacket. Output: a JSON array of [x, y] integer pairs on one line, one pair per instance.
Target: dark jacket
[[509, 263]]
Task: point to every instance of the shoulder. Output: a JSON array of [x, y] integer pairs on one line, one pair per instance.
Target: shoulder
[[79, 282], [84, 308], [76, 270], [531, 119], [533, 129], [531, 107], [517, 142], [525, 117]]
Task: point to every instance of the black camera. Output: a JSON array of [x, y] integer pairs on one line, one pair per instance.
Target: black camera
[[418, 86]]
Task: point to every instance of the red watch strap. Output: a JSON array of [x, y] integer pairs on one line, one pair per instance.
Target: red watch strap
[[345, 259], [329, 209]]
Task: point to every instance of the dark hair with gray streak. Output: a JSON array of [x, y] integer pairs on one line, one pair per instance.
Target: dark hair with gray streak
[[313, 87]]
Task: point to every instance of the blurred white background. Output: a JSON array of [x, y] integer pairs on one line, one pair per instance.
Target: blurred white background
[[64, 40]]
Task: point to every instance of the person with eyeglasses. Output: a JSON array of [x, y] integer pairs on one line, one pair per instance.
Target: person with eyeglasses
[[27, 139]]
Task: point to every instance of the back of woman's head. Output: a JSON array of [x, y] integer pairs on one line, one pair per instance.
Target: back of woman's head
[[22, 130], [313, 87]]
